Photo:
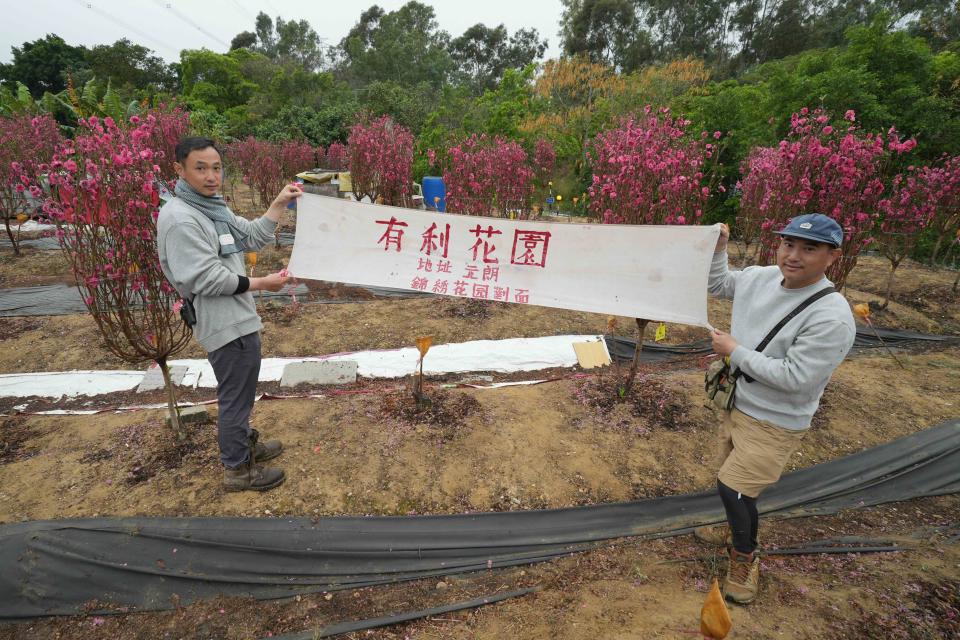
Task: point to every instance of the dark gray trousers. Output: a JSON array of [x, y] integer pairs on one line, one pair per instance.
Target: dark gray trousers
[[237, 366]]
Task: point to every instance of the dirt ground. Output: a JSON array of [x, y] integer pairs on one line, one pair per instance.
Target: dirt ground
[[565, 442]]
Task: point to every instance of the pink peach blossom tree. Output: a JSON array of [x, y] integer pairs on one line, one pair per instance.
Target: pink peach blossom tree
[[489, 176], [27, 144], [338, 157], [652, 170], [104, 198], [944, 188], [906, 211], [381, 158], [840, 171]]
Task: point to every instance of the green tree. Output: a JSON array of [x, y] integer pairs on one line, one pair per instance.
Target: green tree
[[283, 41], [482, 55], [131, 68], [605, 32], [244, 40], [407, 105], [405, 46], [44, 64], [216, 80]]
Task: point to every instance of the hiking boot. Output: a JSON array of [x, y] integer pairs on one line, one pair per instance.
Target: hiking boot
[[263, 451], [252, 477], [719, 535], [743, 577], [266, 450]]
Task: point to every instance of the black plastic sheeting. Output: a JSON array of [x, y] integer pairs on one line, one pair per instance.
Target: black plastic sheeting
[[59, 567], [51, 243], [61, 299], [622, 349], [42, 243]]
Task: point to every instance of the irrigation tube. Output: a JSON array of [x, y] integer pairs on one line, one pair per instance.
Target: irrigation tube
[[397, 618]]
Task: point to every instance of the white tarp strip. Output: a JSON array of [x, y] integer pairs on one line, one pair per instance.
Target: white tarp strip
[[502, 356], [70, 383], [31, 226], [652, 272]]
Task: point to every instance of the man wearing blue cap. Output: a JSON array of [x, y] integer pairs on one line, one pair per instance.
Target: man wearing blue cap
[[780, 374]]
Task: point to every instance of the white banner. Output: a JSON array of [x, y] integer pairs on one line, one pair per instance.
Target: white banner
[[652, 272]]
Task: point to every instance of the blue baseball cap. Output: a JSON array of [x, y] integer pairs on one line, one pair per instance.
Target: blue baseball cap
[[816, 227]]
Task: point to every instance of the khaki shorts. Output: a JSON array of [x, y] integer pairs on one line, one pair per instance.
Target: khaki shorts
[[752, 453]]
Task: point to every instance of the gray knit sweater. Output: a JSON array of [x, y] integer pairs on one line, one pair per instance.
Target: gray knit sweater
[[791, 373], [189, 249]]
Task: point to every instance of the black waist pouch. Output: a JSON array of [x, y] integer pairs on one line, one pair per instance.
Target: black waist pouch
[[188, 314]]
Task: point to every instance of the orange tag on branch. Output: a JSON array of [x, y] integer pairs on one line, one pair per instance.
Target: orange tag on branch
[[715, 620], [423, 345]]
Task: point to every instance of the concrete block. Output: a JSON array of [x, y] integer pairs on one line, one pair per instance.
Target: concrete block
[[320, 372], [192, 415], [153, 378]]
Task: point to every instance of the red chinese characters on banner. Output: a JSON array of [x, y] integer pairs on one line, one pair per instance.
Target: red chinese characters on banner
[[478, 281], [486, 244], [530, 248], [432, 241], [391, 235]]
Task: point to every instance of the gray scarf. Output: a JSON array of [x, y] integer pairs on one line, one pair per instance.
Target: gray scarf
[[215, 208]]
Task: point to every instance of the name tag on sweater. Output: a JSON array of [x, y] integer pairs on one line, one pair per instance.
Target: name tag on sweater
[[226, 239]]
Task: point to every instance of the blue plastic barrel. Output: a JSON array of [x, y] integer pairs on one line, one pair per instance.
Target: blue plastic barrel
[[433, 187]]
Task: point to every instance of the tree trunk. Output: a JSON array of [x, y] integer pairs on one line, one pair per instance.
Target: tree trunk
[[745, 256], [13, 241], [936, 250], [893, 270], [641, 329], [172, 408]]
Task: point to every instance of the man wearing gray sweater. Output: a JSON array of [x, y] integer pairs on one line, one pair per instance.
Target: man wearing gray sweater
[[779, 388], [201, 244]]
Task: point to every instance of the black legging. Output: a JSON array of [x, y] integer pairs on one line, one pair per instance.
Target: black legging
[[742, 516]]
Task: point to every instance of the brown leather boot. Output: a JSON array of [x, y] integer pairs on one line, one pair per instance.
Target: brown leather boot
[[743, 577], [265, 450], [719, 535], [252, 477]]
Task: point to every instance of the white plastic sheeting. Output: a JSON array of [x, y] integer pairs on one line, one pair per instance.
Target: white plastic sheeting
[[68, 383], [502, 356]]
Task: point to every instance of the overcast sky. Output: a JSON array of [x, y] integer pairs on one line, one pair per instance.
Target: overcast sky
[[167, 26]]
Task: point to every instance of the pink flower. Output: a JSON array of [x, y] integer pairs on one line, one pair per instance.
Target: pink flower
[[850, 115]]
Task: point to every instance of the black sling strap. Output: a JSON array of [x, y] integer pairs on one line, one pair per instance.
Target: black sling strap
[[790, 316]]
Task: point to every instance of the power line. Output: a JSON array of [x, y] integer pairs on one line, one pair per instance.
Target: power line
[[127, 26], [244, 9], [178, 14]]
